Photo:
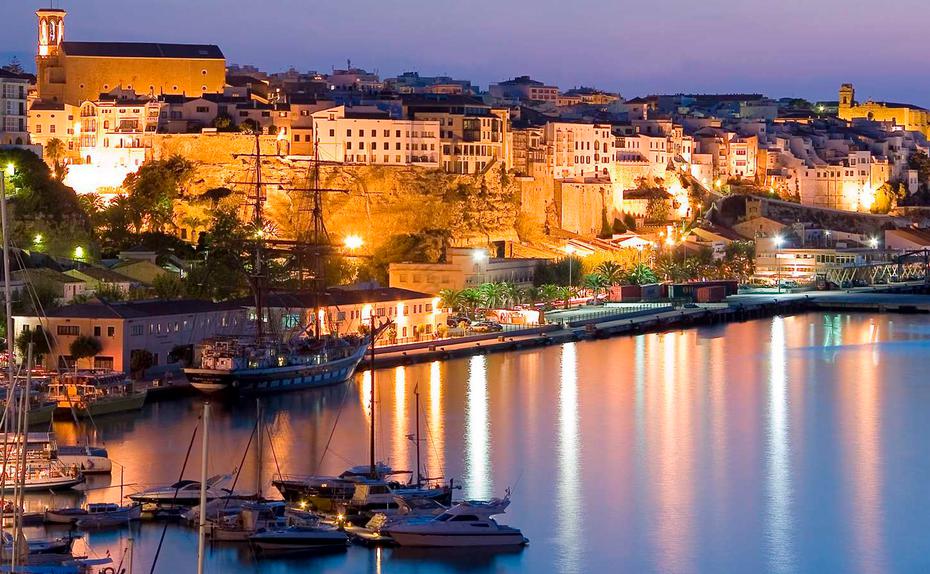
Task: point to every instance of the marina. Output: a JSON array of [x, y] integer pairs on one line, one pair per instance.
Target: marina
[[728, 444]]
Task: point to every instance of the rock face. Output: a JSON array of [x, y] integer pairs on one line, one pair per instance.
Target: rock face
[[372, 201]]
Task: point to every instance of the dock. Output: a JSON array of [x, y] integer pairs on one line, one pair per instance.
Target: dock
[[913, 297]]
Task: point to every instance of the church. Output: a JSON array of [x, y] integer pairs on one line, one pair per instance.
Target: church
[[912, 118], [73, 72]]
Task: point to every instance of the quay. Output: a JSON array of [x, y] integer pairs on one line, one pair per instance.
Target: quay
[[911, 297]]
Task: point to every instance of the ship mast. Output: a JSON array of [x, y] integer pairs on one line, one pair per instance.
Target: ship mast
[[258, 223]]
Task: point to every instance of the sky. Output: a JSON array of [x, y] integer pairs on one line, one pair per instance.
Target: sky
[[801, 48]]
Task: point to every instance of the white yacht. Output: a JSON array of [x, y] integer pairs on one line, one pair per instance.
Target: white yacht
[[300, 539], [89, 459], [468, 523], [43, 470], [185, 493]]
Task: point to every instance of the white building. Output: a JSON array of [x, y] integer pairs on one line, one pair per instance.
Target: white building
[[14, 90], [347, 136], [579, 150]]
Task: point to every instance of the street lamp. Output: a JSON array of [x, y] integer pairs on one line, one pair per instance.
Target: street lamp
[[353, 242], [873, 242], [779, 240], [570, 250]]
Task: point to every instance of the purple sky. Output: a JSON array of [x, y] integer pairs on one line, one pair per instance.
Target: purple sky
[[803, 48]]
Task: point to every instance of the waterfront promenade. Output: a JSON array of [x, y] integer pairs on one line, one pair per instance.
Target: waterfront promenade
[[885, 298]]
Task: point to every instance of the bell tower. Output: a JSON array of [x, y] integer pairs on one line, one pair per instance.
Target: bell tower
[[49, 71], [847, 96], [51, 31]]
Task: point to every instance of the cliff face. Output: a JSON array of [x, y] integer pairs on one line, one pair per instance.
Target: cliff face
[[374, 202]]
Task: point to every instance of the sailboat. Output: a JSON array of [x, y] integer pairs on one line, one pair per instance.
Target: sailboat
[[362, 490], [260, 363]]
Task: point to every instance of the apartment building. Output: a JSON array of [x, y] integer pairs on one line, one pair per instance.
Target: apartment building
[[55, 120], [576, 150], [14, 90], [463, 268], [117, 129], [371, 137], [474, 135], [524, 88]]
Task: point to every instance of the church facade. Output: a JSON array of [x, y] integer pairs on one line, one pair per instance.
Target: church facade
[[75, 72], [911, 118]]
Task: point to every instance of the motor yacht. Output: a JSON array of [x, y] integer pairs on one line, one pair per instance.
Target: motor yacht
[[184, 493], [468, 523]]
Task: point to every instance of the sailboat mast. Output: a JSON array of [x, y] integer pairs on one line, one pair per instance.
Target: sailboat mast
[[8, 301], [258, 450], [19, 497], [318, 233], [371, 437], [416, 394], [258, 223], [202, 532]]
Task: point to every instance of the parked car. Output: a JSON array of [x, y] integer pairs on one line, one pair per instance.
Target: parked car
[[486, 327], [457, 320]]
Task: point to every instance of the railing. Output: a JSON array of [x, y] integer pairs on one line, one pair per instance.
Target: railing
[[610, 312]]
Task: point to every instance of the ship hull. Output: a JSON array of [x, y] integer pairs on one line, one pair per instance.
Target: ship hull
[[276, 379]]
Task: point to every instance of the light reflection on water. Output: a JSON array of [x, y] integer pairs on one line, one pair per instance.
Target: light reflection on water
[[765, 446]]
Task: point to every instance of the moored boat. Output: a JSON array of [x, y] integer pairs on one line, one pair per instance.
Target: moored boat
[[184, 493], [88, 394], [89, 459], [248, 366], [468, 523], [295, 539], [43, 470], [94, 515]]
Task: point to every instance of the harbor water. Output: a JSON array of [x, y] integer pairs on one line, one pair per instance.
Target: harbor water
[[782, 445]]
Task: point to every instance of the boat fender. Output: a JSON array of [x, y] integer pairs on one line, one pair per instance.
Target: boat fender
[[108, 570]]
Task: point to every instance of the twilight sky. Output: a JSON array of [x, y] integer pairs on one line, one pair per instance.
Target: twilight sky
[[803, 48]]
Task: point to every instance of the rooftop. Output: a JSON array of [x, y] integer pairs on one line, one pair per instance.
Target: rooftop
[[335, 297], [138, 309], [143, 50]]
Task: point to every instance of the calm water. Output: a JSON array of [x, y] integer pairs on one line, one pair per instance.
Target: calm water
[[794, 444]]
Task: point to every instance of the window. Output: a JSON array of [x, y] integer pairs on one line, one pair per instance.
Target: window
[[70, 330], [103, 363], [111, 331], [348, 133], [96, 330], [202, 109], [332, 133]]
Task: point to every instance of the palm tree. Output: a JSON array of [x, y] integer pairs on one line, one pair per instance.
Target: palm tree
[[549, 292], [54, 151], [511, 293], [641, 275], [611, 271], [471, 300], [492, 294], [451, 299], [594, 282]]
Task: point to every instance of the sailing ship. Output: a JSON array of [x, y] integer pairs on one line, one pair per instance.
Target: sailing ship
[[261, 363]]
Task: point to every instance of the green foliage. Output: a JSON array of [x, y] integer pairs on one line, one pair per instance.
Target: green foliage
[[40, 297], [885, 199], [429, 246], [41, 205], [629, 221], [41, 343], [611, 272], [153, 189], [557, 272], [226, 260], [139, 361], [618, 227], [223, 123], [106, 292], [168, 286], [641, 274], [84, 347], [657, 209], [921, 162]]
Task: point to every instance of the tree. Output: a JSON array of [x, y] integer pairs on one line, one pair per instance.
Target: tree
[[139, 361], [223, 123], [471, 299], [594, 282], [84, 347], [920, 162], [657, 208], [642, 275], [168, 286], [493, 295], [14, 66], [109, 292], [153, 189], [55, 151], [885, 199], [41, 343], [611, 271], [451, 299]]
